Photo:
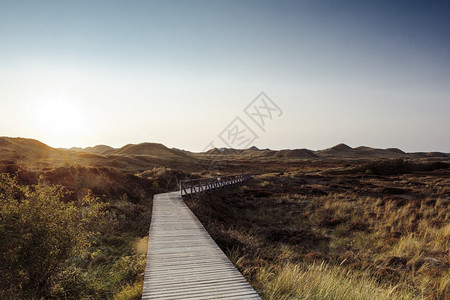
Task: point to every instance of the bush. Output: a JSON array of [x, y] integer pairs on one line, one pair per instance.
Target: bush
[[389, 167], [400, 166], [39, 232]]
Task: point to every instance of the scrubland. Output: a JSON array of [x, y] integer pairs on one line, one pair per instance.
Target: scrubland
[[338, 231], [75, 232], [331, 224]]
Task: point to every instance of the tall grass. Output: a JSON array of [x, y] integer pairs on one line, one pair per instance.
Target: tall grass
[[380, 238], [322, 281]]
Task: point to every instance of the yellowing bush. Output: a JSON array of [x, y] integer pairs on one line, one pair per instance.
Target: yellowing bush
[[39, 232]]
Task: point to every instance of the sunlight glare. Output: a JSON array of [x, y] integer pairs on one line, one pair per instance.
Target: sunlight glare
[[61, 118]]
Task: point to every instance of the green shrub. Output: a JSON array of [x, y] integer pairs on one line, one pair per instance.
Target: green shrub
[[39, 232]]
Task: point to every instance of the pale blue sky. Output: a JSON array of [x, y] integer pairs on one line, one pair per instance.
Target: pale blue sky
[[80, 73]]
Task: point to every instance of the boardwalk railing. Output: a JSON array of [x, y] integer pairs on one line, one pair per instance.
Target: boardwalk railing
[[193, 187]]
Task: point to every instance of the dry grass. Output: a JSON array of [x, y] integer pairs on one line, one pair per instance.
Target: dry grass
[[141, 245], [336, 235], [323, 281], [305, 229], [130, 292]]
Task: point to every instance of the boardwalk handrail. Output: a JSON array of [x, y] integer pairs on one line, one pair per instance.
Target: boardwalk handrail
[[200, 185]]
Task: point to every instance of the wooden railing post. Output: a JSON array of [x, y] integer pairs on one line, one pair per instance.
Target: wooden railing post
[[196, 187]]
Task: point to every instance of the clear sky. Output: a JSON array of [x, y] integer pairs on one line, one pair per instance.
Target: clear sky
[[81, 73]]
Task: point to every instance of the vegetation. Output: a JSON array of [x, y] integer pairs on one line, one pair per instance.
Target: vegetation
[[73, 232], [337, 236], [323, 281], [340, 223], [39, 232], [400, 166]]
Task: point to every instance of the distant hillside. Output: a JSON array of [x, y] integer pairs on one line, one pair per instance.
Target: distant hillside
[[296, 153], [145, 156], [396, 150], [436, 154], [130, 158], [219, 151], [345, 151], [341, 148], [339, 151], [100, 149], [22, 149], [254, 152], [151, 149]]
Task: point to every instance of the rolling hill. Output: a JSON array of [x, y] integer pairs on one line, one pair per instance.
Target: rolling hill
[[132, 158], [144, 156], [21, 148]]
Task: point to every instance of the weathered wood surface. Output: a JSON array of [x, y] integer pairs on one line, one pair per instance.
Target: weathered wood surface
[[183, 261]]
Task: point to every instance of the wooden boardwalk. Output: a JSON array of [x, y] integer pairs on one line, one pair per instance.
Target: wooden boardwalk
[[183, 261]]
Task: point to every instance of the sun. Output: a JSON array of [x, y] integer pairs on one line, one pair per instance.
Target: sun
[[61, 120]]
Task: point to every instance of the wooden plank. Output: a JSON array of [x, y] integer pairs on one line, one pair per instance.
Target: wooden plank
[[183, 261]]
